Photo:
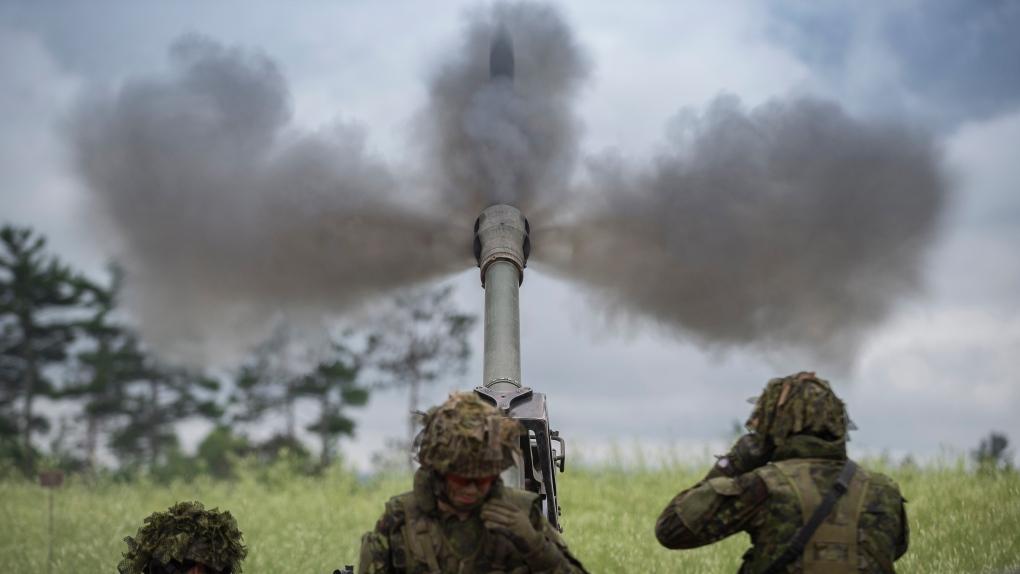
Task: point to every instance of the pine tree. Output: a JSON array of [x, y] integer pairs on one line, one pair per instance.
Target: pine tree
[[219, 449], [426, 338], [266, 383], [38, 297], [334, 385], [153, 404], [993, 453], [112, 361]]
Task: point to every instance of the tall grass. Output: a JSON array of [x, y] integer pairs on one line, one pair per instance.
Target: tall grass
[[960, 522]]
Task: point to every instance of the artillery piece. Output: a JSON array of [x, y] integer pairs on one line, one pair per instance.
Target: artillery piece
[[502, 244]]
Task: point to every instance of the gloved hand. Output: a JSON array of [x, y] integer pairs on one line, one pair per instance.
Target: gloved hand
[[749, 452], [513, 523]]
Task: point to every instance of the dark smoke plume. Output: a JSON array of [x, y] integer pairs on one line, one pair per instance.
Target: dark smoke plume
[[791, 225], [227, 214], [506, 140]]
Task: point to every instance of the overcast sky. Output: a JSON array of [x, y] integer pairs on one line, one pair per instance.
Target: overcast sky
[[939, 372]]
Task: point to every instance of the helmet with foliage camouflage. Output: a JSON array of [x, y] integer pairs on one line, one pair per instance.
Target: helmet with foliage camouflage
[[186, 534], [469, 437], [799, 404]]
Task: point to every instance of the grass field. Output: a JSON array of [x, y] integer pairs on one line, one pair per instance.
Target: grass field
[[960, 522]]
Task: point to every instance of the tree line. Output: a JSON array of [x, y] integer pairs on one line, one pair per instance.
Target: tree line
[[65, 341]]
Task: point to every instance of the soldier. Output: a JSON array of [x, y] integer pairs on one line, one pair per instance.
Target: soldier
[[186, 539], [460, 517], [789, 484]]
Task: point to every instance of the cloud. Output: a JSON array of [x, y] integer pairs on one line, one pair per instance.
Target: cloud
[[650, 60], [945, 62], [38, 187], [943, 371], [939, 378]]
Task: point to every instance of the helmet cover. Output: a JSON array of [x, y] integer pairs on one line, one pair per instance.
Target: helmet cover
[[467, 436], [799, 404], [186, 532]]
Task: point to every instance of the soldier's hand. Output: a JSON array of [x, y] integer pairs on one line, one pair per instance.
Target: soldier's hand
[[513, 523], [749, 452]]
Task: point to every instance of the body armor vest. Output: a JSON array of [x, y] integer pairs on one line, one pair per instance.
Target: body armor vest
[[833, 548]]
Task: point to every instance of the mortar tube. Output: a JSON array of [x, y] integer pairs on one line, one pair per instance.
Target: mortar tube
[[501, 249], [502, 362], [502, 359]]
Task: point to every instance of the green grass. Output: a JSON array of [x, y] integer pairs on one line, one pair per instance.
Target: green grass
[[960, 522]]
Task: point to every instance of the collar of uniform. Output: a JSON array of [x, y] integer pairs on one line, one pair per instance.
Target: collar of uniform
[[426, 486], [807, 446]]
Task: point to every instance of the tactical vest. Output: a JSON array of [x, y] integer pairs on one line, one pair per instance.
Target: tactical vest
[[426, 544], [833, 549]]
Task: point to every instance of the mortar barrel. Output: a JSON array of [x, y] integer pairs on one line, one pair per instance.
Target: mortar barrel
[[502, 246]]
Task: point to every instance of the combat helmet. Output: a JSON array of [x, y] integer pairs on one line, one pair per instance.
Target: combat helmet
[[170, 542], [799, 404], [469, 437]]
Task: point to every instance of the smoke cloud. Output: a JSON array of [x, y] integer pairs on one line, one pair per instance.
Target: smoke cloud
[[789, 225], [227, 214], [501, 140]]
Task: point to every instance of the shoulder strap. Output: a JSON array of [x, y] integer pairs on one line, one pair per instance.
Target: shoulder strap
[[421, 538], [796, 545]]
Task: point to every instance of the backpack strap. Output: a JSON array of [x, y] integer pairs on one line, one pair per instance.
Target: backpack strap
[[421, 536], [795, 547]]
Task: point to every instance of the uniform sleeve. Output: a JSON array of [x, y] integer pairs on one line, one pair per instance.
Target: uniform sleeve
[[376, 555], [711, 510], [554, 557]]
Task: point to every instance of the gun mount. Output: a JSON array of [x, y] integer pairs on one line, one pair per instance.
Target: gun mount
[[502, 245]]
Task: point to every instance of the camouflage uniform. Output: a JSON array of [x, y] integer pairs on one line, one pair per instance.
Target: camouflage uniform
[[468, 437], [187, 534], [773, 479]]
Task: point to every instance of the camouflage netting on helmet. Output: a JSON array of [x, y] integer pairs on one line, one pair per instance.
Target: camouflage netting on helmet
[[186, 532], [467, 436], [799, 404]]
